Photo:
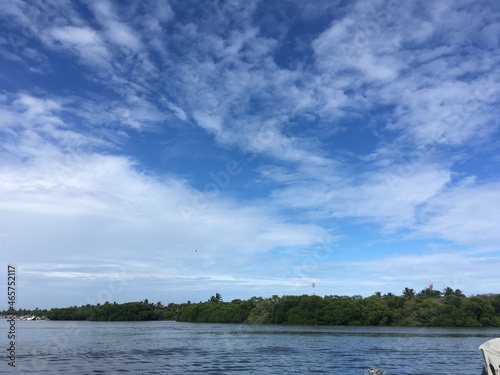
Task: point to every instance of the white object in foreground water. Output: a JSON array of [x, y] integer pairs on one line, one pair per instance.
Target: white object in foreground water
[[491, 353]]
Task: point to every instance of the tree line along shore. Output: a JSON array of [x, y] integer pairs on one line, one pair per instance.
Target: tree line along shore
[[450, 308]]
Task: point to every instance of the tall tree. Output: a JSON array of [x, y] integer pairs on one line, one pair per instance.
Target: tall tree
[[409, 293], [215, 299]]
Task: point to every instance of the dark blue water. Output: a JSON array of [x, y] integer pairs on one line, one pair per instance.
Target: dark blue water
[[49, 347]]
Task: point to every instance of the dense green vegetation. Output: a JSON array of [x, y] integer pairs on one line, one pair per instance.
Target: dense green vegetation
[[427, 308]]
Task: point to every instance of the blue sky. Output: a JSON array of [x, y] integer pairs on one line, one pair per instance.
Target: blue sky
[[170, 150]]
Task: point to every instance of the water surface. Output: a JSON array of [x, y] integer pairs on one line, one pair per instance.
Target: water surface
[[56, 347]]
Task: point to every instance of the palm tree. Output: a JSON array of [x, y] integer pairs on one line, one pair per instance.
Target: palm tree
[[448, 291], [215, 299], [408, 292]]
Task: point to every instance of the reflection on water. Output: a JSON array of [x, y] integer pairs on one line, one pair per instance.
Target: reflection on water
[[46, 347]]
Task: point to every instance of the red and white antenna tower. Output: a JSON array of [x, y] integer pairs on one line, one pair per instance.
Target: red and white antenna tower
[[431, 286]]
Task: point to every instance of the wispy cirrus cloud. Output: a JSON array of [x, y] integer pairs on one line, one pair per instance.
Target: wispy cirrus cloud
[[83, 41], [116, 31]]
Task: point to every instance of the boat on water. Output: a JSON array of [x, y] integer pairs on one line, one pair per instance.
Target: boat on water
[[491, 353]]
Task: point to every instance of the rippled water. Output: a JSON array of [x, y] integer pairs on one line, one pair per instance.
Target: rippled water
[[49, 347]]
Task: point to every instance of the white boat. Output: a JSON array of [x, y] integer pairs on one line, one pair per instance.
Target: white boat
[[491, 353]]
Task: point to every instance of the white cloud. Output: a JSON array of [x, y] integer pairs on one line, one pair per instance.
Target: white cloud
[[467, 213], [117, 32], [78, 208], [450, 113], [211, 123], [435, 92], [37, 110], [362, 42], [179, 112], [83, 41], [79, 36], [390, 197], [59, 194], [122, 35]]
